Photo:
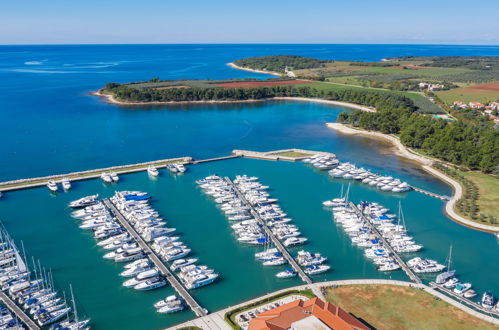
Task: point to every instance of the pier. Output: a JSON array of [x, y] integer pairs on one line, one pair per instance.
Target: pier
[[387, 246], [19, 313], [271, 235], [213, 159], [174, 282], [429, 193], [292, 155], [463, 300]]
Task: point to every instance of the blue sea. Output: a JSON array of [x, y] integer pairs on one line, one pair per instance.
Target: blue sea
[[50, 124]]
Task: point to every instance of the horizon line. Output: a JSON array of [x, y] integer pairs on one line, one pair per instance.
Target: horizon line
[[243, 43]]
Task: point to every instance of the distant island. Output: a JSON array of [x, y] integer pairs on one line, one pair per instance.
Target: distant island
[[414, 98]]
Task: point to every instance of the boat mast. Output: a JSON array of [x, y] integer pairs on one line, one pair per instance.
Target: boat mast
[[74, 306]]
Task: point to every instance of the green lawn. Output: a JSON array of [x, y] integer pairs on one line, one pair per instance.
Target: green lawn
[[468, 95], [393, 307], [292, 154], [488, 189]]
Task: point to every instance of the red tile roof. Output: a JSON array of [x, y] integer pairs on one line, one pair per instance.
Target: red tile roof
[[281, 318]]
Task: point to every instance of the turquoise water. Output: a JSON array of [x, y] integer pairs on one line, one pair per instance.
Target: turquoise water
[[51, 234], [51, 125]]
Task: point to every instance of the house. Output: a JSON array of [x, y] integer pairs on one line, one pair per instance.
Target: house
[[459, 104], [423, 85], [494, 105], [476, 105], [309, 314]]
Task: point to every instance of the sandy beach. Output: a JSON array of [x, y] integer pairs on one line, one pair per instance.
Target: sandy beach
[[425, 162], [232, 65]]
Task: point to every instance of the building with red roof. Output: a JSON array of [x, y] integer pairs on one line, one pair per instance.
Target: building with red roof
[[309, 314]]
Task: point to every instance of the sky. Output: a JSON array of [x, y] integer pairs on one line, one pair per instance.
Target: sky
[[254, 21]]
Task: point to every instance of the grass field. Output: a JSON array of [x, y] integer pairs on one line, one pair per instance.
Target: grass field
[[488, 188], [425, 105], [292, 154], [467, 94], [394, 307]]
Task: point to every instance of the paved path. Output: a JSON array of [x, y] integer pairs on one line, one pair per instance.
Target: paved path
[[212, 321], [196, 308], [271, 235], [449, 206], [18, 311]]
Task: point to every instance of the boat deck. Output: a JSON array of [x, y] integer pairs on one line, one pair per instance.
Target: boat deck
[[271, 235], [11, 305], [394, 254], [174, 282]]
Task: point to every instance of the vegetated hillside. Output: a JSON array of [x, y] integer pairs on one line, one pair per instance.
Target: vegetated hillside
[[278, 63]]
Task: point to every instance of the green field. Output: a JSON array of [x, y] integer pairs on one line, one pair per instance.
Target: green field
[[488, 189], [424, 105], [468, 95], [394, 307]]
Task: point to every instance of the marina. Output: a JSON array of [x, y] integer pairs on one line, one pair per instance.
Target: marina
[[176, 284], [305, 278], [79, 132]]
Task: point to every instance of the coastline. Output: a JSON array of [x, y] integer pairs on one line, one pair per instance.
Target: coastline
[[425, 163], [234, 66], [111, 99]]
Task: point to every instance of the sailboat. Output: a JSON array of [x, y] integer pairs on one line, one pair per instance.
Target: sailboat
[[74, 324], [445, 276]]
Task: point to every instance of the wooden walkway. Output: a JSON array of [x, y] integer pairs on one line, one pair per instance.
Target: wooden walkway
[[429, 193], [271, 235], [387, 246], [174, 282], [18, 311]]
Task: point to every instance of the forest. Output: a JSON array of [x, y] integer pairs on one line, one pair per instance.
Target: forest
[[278, 63]]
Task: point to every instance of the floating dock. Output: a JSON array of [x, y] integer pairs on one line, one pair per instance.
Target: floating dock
[[271, 235], [394, 254], [429, 193], [9, 303], [174, 282]]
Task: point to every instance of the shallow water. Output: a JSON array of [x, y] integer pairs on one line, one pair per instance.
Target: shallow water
[[50, 125]]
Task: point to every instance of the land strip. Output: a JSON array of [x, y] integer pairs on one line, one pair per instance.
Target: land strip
[[209, 321]]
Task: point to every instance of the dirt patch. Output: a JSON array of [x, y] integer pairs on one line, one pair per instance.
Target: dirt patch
[[488, 87], [248, 84]]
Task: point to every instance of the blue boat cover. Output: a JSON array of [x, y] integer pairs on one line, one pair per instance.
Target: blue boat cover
[[262, 240], [137, 198]]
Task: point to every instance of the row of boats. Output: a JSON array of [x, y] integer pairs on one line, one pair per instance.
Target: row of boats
[[349, 171], [9, 320], [148, 223], [53, 187], [251, 231], [33, 290]]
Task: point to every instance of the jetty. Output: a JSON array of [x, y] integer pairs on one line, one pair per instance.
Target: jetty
[[387, 246], [429, 193], [291, 155], [463, 300], [19, 313], [174, 282], [270, 234]]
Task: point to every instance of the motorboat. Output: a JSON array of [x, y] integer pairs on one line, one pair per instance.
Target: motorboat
[[151, 284], [316, 269], [170, 304], [181, 263], [488, 300], [52, 185], [66, 184], [152, 170], [106, 177], [451, 283], [461, 288], [288, 273], [292, 241], [142, 276], [114, 176]]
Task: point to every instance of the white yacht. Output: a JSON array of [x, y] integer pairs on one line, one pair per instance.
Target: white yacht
[[452, 282], [181, 263], [180, 168], [150, 284], [106, 177], [170, 304], [136, 269], [152, 170], [114, 176], [288, 273], [316, 269], [143, 276], [461, 288], [66, 184], [52, 185], [295, 241]]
